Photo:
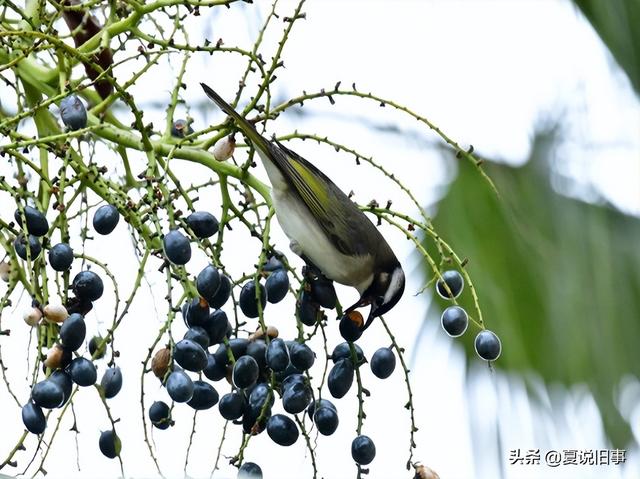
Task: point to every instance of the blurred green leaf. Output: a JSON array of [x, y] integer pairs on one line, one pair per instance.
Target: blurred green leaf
[[616, 21], [558, 279]]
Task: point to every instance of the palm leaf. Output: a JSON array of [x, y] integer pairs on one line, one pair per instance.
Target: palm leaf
[[558, 278], [616, 21]]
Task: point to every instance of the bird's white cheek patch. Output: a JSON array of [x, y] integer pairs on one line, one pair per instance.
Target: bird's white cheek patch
[[397, 280]]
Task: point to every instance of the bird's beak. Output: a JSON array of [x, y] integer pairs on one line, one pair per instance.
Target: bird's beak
[[372, 315], [363, 301]]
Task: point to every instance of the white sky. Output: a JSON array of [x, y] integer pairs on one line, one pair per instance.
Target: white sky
[[487, 73]]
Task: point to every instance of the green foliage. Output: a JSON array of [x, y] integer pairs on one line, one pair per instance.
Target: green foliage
[[558, 279], [616, 21]]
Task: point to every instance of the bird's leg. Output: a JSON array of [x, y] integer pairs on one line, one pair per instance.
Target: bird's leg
[[310, 271], [297, 249], [313, 274]]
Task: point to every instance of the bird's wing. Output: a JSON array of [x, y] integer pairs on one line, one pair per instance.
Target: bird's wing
[[348, 228], [247, 128]]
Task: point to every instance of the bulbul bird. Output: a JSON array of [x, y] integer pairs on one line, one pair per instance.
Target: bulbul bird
[[325, 228]]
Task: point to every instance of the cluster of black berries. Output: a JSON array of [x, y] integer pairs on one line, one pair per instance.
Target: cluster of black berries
[[259, 368], [262, 366], [63, 365], [455, 320]]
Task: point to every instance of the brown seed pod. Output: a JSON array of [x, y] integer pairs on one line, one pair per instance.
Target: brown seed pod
[[272, 332], [161, 363], [258, 427], [83, 26], [424, 472], [33, 316], [57, 357], [55, 313], [223, 149], [5, 271]]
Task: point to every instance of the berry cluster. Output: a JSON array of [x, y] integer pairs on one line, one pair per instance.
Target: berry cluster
[[66, 327], [260, 367], [246, 369], [455, 319]]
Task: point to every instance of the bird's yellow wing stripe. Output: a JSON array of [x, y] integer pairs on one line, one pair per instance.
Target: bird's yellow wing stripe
[[309, 184], [315, 192]]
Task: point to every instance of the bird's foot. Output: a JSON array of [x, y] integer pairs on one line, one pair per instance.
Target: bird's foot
[[296, 248]]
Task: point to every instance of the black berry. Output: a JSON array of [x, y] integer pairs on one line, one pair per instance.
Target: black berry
[[454, 321], [453, 279], [277, 286], [383, 362], [33, 418], [307, 310], [282, 430], [105, 219], [248, 301], [160, 415], [73, 112], [326, 420], [208, 282], [83, 372], [110, 444], [343, 350], [111, 382], [190, 355], [340, 378], [87, 285], [351, 326], [249, 470], [37, 224], [61, 257], [277, 355], [198, 335], [363, 450], [47, 394], [180, 386], [245, 372], [301, 356], [177, 247], [223, 293], [73, 331], [203, 224], [488, 345], [20, 244], [231, 406], [204, 396]]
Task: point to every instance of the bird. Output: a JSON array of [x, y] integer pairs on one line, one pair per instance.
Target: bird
[[325, 228]]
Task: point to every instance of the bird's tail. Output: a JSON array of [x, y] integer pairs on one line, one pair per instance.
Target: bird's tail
[[247, 128]]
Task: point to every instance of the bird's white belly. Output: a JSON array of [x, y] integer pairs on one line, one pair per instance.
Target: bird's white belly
[[294, 220], [293, 217]]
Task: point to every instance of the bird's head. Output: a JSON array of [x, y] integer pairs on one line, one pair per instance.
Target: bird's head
[[383, 293]]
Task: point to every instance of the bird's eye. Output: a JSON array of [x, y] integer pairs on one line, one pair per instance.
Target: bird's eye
[[379, 300]]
